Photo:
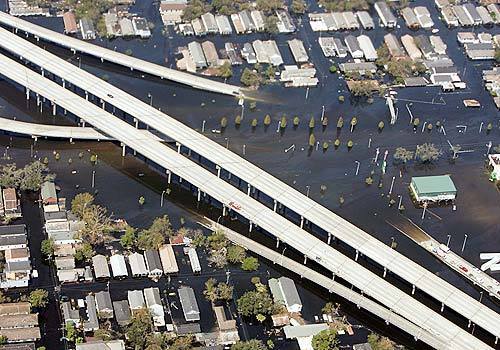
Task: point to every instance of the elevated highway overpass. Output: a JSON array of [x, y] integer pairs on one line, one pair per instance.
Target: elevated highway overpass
[[206, 182], [121, 59], [333, 225]]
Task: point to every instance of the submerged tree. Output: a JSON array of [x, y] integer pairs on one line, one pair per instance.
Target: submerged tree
[[427, 153]]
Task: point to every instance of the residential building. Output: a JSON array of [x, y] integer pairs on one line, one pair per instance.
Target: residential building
[[228, 330], [13, 237], [363, 346], [193, 259], [449, 17], [285, 22], [118, 266], [486, 18], [472, 13], [101, 268], [411, 47], [462, 16], [92, 322], [353, 46], [209, 22], [467, 38], [424, 17], [17, 323], [198, 27], [440, 4], [358, 67], [189, 304], [366, 45], [141, 27], [285, 293], [210, 53], [155, 306], [258, 20], [350, 20], [172, 11], [126, 26], [396, 50], [102, 345], [224, 25], [410, 18], [433, 188], [298, 50], [260, 51], [424, 44], [87, 29], [168, 261], [387, 18], [365, 19], [339, 20], [248, 53], [238, 25], [136, 300], [65, 262], [137, 265], [70, 26], [17, 254], [340, 48], [233, 55], [494, 163], [438, 44], [104, 304], [153, 263], [304, 333], [122, 312], [11, 204], [246, 21], [196, 53], [327, 45], [70, 315], [494, 10]]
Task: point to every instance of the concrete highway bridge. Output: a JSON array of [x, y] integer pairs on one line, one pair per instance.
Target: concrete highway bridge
[[121, 59], [209, 179]]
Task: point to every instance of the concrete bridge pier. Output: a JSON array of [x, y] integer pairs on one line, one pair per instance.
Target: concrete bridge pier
[[86, 95], [277, 242], [178, 147], [357, 255], [385, 271], [251, 226], [469, 324], [249, 187], [103, 104], [301, 221], [442, 307], [218, 170], [329, 238], [275, 205], [64, 83], [102, 60], [123, 149], [496, 340], [199, 195], [43, 72], [27, 94], [305, 259], [136, 121], [83, 123], [54, 108], [223, 210], [412, 289], [37, 99]]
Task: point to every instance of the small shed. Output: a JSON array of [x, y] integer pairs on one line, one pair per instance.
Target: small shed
[[433, 188]]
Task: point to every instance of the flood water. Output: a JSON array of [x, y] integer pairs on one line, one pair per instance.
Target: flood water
[[121, 181]]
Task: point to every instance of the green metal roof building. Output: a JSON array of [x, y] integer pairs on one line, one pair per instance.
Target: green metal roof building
[[433, 188]]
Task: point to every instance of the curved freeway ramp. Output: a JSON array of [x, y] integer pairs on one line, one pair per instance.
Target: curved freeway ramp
[[119, 58], [59, 132]]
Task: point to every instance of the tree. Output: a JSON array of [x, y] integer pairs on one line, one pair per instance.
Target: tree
[[369, 180], [252, 344], [39, 298], [257, 301], [416, 122], [72, 334], [271, 24], [267, 120], [427, 153], [250, 264], [380, 343], [254, 122], [142, 200], [138, 329], [84, 252], [381, 125], [362, 87], [296, 121], [333, 69], [350, 144], [403, 155], [298, 7], [336, 143], [340, 122], [325, 145], [283, 122], [80, 203], [325, 340], [103, 334], [235, 254], [225, 71], [29, 178], [218, 258], [47, 248], [312, 122], [497, 55], [237, 120], [223, 122], [312, 140], [215, 291], [269, 5], [250, 78], [354, 122], [129, 238], [97, 225]]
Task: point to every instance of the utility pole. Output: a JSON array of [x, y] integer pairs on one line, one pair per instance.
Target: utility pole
[[448, 241], [93, 178], [392, 184], [357, 167], [323, 113], [376, 154], [203, 126], [465, 241], [161, 199]]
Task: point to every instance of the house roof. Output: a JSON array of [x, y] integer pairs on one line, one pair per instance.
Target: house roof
[[168, 261], [93, 321], [18, 266], [100, 265], [103, 301], [19, 321], [101, 345], [137, 264], [189, 304], [69, 313], [16, 253], [136, 299], [122, 311], [306, 330], [153, 261], [21, 334], [289, 291], [48, 190], [433, 184], [23, 346], [118, 265], [10, 230]]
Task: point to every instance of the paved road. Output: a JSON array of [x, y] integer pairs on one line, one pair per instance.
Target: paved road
[[358, 239], [133, 63], [267, 219]]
